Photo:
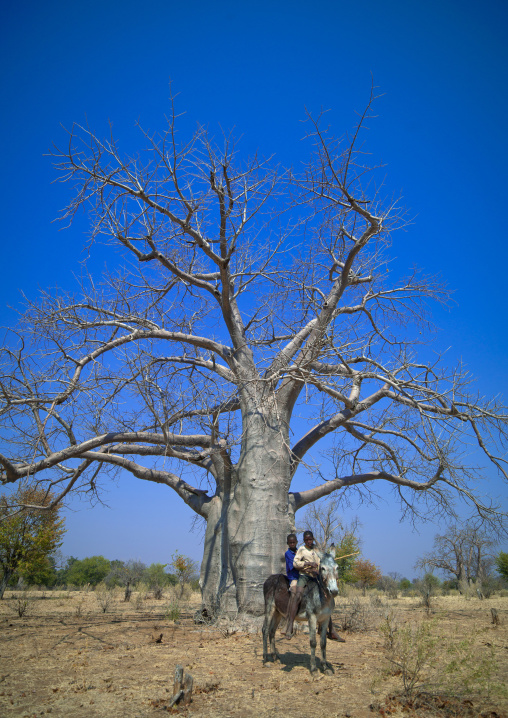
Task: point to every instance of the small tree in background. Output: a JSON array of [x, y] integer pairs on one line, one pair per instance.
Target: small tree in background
[[155, 575], [427, 587], [349, 547], [366, 573], [157, 578], [116, 575], [28, 536], [389, 585], [126, 574], [185, 569], [42, 573], [92, 570], [404, 584], [501, 562], [123, 573]]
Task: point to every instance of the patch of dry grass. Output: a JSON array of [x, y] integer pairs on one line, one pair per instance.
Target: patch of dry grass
[[67, 657]]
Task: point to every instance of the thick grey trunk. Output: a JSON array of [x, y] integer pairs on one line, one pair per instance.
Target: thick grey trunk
[[247, 525]]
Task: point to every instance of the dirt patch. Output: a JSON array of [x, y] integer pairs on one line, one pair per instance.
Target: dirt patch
[[65, 657]]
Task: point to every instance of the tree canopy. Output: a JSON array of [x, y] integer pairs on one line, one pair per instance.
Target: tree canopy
[[29, 534], [91, 570], [366, 573], [501, 562], [252, 318]]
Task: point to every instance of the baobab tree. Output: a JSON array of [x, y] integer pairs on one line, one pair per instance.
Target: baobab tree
[[252, 319], [465, 552]]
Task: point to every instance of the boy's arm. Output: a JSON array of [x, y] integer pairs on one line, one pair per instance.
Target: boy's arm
[[303, 561], [298, 561]]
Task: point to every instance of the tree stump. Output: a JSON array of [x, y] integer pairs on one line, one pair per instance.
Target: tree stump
[[182, 687], [178, 679], [188, 683], [495, 617]]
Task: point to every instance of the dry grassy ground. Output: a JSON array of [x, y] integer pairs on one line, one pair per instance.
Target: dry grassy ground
[[65, 657]]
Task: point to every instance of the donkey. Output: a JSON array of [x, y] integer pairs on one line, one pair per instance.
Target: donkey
[[316, 607]]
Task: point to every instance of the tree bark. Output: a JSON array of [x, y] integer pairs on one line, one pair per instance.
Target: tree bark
[[6, 577], [247, 524]]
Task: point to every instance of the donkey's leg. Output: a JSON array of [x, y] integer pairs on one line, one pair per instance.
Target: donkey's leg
[[272, 620], [266, 623], [275, 620], [267, 629], [327, 667], [313, 642]]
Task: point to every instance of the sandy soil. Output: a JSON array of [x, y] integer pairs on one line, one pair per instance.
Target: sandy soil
[[65, 657]]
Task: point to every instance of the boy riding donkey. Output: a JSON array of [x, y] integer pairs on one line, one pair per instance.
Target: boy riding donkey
[[302, 566]]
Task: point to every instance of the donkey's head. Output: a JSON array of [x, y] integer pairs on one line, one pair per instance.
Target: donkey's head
[[328, 572]]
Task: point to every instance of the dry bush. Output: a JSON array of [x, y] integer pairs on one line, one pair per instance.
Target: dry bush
[[451, 592], [39, 589], [466, 589], [158, 592], [23, 602], [409, 651], [104, 596], [347, 590], [428, 589], [118, 592], [488, 587], [143, 589], [138, 601], [376, 599], [182, 592], [357, 616], [78, 611], [428, 665], [389, 629]]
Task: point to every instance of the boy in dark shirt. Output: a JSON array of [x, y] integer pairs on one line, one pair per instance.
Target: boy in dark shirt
[[290, 554]]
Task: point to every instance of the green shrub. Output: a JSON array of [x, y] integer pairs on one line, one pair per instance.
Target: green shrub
[[404, 584], [173, 611], [502, 564], [92, 570], [410, 649]]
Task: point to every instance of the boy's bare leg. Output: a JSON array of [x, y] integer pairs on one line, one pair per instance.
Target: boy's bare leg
[[332, 635]]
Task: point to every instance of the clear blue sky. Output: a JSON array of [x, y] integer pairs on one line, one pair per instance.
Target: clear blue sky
[[255, 66]]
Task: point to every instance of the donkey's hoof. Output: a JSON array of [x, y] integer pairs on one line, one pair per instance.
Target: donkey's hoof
[[271, 658], [328, 671]]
